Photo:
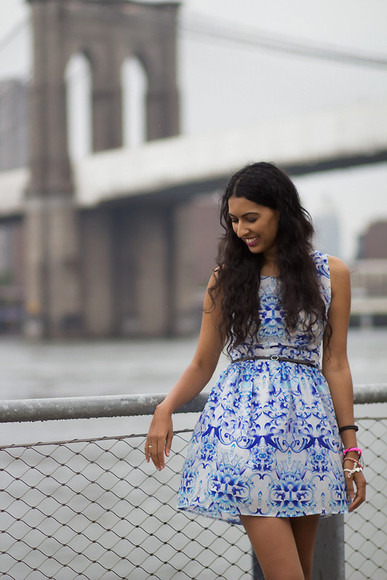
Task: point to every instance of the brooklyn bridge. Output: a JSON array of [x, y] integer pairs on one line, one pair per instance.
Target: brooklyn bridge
[[110, 244]]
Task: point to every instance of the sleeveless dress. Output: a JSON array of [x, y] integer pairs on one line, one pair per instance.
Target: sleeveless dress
[[267, 441]]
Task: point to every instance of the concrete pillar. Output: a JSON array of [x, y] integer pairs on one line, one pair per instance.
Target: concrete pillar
[[49, 161], [152, 281], [197, 235], [106, 102], [187, 296], [97, 241], [148, 309], [160, 61], [53, 297], [52, 268], [162, 119], [13, 124], [162, 103], [100, 29], [35, 300]]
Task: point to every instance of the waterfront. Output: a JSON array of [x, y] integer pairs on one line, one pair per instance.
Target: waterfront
[[115, 367], [111, 367]]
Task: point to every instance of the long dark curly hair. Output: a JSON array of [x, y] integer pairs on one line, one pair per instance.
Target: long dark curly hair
[[237, 277]]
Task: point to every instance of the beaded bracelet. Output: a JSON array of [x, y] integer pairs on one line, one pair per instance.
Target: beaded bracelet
[[358, 451], [354, 460], [345, 427]]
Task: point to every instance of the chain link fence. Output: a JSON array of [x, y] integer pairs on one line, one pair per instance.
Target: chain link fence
[[93, 509], [366, 529]]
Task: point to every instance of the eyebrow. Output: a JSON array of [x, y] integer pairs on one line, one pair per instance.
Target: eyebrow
[[245, 214]]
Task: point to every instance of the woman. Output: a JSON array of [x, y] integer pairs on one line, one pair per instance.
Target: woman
[[267, 450]]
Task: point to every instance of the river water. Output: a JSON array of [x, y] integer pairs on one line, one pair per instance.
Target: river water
[[107, 367], [113, 367]]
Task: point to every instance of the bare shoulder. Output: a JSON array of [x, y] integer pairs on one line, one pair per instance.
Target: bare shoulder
[[338, 270], [340, 278]]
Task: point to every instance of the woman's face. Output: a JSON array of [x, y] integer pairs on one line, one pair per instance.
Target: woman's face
[[256, 225]]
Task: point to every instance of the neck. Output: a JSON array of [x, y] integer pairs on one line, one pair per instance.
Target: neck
[[269, 266]]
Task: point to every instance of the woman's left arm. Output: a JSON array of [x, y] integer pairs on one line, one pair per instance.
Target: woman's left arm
[[336, 370]]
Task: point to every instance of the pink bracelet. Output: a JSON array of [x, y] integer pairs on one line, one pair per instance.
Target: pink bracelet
[[358, 451]]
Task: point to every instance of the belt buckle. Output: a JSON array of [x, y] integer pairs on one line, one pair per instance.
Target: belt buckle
[[274, 357]]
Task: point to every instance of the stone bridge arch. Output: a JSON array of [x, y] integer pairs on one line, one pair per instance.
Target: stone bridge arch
[[105, 31]]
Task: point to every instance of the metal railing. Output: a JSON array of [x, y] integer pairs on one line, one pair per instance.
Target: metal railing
[[91, 508]]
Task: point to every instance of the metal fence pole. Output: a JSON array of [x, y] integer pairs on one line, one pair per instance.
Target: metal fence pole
[[257, 571], [329, 560]]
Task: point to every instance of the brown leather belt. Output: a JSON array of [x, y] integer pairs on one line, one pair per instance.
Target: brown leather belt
[[275, 357]]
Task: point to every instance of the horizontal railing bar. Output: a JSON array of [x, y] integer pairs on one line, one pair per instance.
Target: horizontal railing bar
[[58, 408], [364, 394]]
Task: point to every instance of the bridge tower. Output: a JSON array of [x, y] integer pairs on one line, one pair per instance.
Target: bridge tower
[[105, 32]]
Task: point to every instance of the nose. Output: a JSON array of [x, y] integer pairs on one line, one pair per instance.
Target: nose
[[241, 229]]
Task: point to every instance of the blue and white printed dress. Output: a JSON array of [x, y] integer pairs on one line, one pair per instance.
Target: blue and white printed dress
[[267, 441]]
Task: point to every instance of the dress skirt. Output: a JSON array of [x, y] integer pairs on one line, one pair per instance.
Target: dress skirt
[[266, 444]]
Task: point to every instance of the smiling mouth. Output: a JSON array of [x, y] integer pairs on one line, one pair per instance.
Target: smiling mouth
[[251, 241]]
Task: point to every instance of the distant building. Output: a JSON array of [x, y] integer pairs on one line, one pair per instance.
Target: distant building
[[327, 229], [11, 275], [373, 243], [369, 278], [369, 293], [205, 235], [13, 124]]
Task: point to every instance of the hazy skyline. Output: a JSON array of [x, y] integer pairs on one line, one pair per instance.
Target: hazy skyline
[[227, 84]]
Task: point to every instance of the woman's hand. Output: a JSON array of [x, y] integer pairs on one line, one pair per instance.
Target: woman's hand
[[191, 383], [357, 492], [159, 438]]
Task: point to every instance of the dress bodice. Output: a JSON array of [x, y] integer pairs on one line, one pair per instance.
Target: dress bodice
[[273, 336]]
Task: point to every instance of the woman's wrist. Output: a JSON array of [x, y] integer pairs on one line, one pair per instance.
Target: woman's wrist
[[350, 451], [350, 427], [164, 407], [349, 439]]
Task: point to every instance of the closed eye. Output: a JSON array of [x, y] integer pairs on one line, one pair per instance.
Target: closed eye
[[250, 220], [249, 217]]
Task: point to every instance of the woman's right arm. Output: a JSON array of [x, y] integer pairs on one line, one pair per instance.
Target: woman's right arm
[[192, 381]]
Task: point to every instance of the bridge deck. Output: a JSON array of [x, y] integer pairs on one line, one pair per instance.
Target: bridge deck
[[186, 165]]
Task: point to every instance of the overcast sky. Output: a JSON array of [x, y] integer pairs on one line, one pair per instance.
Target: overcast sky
[[226, 83]]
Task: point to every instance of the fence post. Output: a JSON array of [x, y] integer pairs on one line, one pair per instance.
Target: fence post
[[328, 562], [257, 572]]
